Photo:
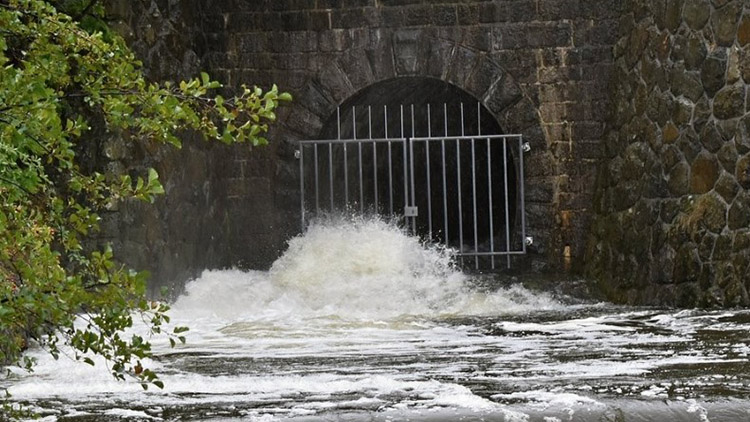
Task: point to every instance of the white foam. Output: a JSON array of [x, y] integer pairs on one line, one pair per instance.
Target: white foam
[[359, 315], [545, 399], [358, 268]]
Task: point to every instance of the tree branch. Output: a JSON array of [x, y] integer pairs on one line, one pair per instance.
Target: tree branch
[[85, 10]]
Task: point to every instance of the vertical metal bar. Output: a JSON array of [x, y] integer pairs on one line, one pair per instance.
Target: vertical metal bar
[[444, 171], [429, 182], [405, 164], [489, 184], [302, 183], [520, 178], [390, 163], [505, 185], [346, 172], [330, 155], [359, 162], [317, 180], [411, 170], [458, 186], [489, 189], [374, 156], [474, 201]]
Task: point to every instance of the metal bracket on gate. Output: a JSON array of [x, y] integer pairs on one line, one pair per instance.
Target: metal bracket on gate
[[411, 211]]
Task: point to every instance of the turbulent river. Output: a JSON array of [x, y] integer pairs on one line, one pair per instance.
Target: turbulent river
[[359, 322]]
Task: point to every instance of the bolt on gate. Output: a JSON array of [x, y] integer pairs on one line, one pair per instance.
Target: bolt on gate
[[432, 170]]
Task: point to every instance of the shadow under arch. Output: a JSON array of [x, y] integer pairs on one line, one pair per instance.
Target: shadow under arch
[[459, 185]]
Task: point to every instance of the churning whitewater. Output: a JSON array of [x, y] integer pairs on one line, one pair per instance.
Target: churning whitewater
[[358, 321], [361, 269]]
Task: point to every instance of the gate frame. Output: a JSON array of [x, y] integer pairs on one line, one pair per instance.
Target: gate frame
[[410, 211]]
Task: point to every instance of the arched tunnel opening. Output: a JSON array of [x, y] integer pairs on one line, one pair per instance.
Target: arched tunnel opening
[[421, 146]]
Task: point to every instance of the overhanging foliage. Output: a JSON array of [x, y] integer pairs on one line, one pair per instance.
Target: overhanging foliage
[[55, 76]]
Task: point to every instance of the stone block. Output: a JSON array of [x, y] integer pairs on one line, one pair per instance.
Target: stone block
[[509, 37], [586, 32], [314, 100], [462, 65], [356, 3], [334, 81], [743, 33], [549, 35], [713, 71], [678, 180], [550, 10], [704, 173], [728, 156], [439, 56], [696, 13], [444, 15], [727, 187], [486, 74], [687, 264], [319, 20], [701, 113], [729, 102], [695, 52], [467, 14], [742, 171], [356, 66], [417, 15], [386, 3], [304, 122], [685, 83], [494, 12], [519, 11], [673, 15], [334, 40], [670, 155], [540, 192], [349, 18], [380, 54], [724, 22], [519, 117], [739, 212], [710, 137], [406, 51]]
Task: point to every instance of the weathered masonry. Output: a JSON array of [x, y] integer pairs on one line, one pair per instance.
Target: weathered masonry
[[651, 93], [540, 69], [673, 201]]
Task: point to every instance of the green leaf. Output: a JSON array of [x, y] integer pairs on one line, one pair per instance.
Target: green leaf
[[63, 72]]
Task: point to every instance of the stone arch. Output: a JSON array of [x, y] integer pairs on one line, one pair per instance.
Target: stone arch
[[411, 53], [376, 55], [411, 106]]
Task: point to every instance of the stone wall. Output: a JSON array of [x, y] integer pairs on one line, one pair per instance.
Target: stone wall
[[540, 66], [173, 238], [672, 205]]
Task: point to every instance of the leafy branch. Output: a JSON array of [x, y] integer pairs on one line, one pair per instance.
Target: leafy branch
[[57, 73]]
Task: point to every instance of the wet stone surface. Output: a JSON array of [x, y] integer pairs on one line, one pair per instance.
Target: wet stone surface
[[701, 158]]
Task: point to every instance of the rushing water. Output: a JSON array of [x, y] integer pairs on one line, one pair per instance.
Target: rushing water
[[359, 322]]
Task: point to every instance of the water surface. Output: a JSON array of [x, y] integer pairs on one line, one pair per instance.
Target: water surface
[[359, 322]]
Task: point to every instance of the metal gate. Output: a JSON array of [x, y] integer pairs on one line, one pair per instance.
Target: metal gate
[[423, 169]]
